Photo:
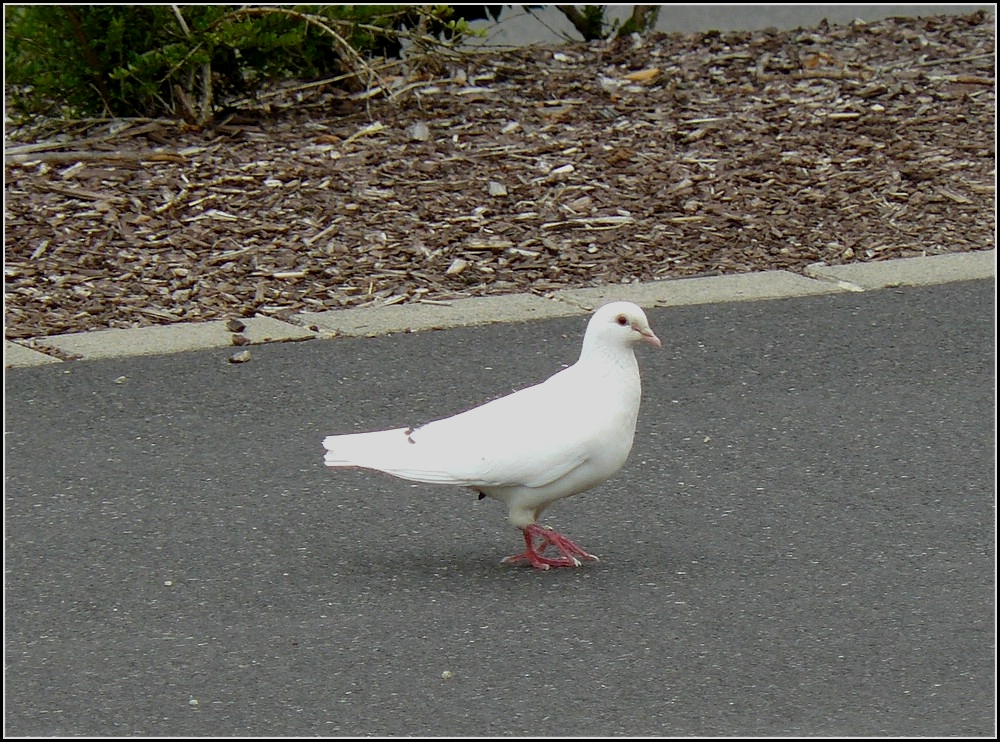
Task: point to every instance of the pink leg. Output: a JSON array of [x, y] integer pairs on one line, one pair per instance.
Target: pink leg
[[571, 553]]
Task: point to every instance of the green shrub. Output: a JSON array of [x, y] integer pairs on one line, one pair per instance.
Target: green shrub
[[185, 61]]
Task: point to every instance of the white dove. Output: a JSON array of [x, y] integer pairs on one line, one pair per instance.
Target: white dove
[[532, 447]]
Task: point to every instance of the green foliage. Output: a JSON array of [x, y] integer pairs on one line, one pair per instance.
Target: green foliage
[[162, 60], [593, 17], [591, 22], [48, 67], [642, 20]]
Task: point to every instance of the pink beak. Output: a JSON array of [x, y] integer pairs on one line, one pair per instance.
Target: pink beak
[[651, 338]]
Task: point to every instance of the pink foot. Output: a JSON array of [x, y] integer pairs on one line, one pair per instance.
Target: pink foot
[[571, 553]]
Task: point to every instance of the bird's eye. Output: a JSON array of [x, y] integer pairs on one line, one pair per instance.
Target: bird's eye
[[621, 319]]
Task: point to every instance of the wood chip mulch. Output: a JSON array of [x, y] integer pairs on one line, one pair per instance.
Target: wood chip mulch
[[517, 171]]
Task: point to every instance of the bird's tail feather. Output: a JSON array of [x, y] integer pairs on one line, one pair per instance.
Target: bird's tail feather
[[389, 451]]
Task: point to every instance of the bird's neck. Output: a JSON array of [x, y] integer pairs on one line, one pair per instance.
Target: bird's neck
[[612, 358]]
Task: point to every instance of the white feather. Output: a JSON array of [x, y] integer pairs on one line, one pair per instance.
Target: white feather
[[535, 446]]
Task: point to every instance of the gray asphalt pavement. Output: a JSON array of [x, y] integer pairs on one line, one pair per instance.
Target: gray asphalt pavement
[[802, 542]]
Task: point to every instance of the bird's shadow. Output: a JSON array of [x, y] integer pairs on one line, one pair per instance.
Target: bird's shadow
[[471, 564], [416, 560]]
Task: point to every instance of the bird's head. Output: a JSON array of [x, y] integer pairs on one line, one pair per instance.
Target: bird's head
[[620, 323]]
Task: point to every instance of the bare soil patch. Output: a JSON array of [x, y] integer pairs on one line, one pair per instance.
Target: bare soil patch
[[518, 171]]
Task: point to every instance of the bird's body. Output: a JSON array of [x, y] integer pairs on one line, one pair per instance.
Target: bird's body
[[530, 448]]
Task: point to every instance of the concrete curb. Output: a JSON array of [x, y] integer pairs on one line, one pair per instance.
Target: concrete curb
[[164, 339], [371, 321], [962, 266]]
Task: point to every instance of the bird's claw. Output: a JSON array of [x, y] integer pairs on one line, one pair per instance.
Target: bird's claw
[[570, 553]]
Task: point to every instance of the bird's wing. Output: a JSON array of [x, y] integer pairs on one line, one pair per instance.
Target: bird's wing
[[528, 438]]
